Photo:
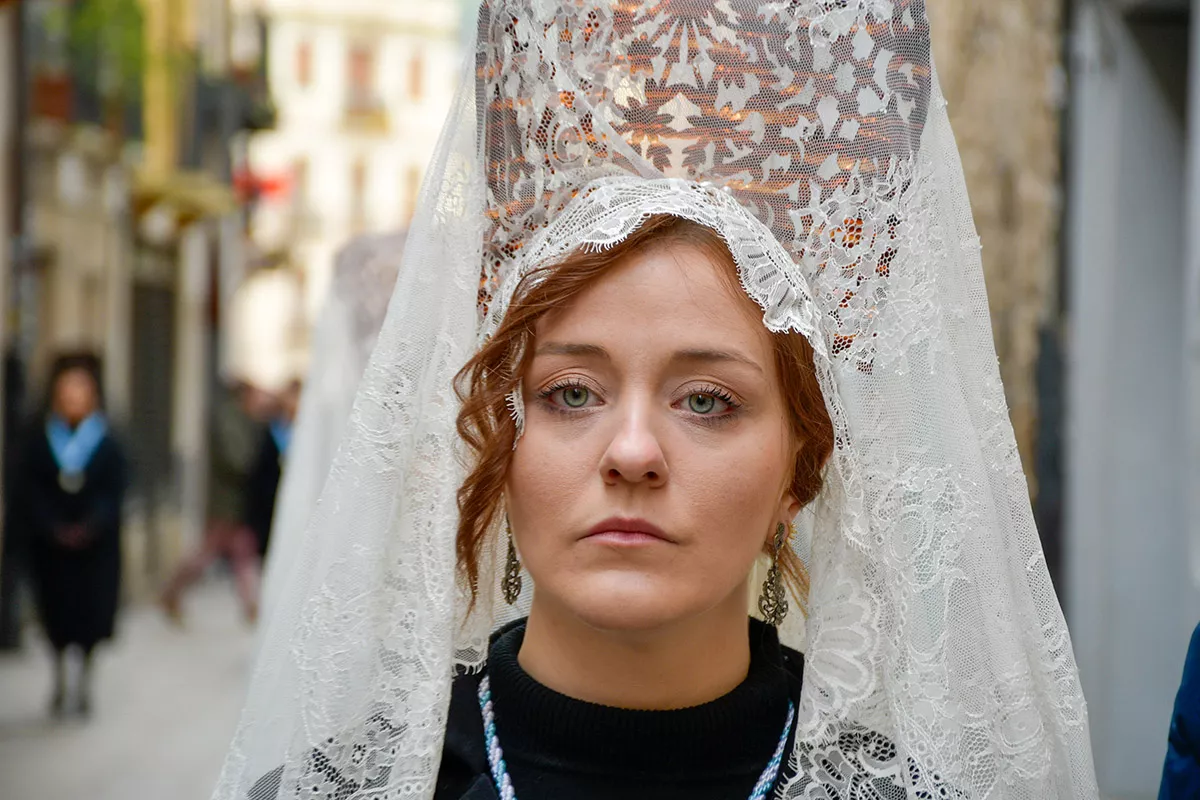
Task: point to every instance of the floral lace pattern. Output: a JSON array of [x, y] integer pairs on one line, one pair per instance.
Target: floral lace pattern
[[810, 128], [811, 135]]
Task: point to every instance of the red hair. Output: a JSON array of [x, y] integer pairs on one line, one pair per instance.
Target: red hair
[[485, 383]]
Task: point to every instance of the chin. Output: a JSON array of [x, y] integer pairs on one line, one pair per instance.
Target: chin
[[627, 602]]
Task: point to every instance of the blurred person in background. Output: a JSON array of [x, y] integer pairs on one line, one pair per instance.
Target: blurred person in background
[[1181, 772], [364, 274], [239, 418], [68, 488], [262, 483]]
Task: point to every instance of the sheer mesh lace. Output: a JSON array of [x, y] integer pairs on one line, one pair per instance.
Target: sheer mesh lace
[[364, 274]]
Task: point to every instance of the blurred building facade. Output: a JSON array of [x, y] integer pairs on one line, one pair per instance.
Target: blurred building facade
[[130, 223], [9, 136], [10, 168], [362, 89], [1133, 308]]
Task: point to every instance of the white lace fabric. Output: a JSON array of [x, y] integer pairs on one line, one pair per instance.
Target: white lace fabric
[[364, 274], [812, 136]]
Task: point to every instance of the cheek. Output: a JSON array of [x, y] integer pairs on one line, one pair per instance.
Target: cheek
[[722, 498], [547, 479], [739, 490]]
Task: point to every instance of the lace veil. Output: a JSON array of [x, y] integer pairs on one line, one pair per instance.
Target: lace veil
[[812, 135], [364, 273]]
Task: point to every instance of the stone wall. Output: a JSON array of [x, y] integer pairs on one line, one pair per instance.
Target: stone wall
[[1000, 66]]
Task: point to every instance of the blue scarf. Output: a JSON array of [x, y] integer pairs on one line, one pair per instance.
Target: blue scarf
[[73, 449], [281, 432]]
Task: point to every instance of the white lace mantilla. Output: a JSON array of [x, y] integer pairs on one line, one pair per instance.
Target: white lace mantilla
[[812, 136]]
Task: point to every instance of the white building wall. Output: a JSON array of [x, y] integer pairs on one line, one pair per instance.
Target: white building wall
[[1131, 600], [312, 126], [1191, 367]]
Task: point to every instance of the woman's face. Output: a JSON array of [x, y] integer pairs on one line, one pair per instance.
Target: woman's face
[[75, 395], [657, 454]]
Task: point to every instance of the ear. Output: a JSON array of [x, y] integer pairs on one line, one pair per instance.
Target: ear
[[789, 507], [789, 504]]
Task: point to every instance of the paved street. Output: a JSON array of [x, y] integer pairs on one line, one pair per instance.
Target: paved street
[[165, 704]]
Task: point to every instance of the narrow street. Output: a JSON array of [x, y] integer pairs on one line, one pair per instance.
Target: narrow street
[[165, 699]]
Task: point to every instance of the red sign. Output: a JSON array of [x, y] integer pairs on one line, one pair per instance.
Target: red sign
[[262, 187]]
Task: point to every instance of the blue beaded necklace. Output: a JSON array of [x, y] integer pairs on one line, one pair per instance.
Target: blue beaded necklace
[[504, 782]]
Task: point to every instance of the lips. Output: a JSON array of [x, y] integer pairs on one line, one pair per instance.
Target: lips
[[627, 531]]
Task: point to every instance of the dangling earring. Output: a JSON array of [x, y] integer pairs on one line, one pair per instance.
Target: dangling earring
[[511, 585], [772, 603]]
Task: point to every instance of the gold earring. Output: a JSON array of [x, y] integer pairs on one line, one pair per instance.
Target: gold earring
[[772, 603], [511, 585]]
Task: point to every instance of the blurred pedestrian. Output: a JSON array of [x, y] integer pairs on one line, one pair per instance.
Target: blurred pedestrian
[[1181, 772], [69, 489], [263, 483], [238, 419]]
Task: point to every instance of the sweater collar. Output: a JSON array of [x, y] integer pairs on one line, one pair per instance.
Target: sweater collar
[[732, 734]]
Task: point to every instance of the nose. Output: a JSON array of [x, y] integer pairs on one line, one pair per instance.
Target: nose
[[634, 455]]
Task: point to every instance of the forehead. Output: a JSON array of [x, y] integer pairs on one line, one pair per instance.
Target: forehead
[[74, 376], [674, 293]]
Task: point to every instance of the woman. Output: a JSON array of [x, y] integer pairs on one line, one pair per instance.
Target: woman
[[729, 283], [676, 430], [70, 487]]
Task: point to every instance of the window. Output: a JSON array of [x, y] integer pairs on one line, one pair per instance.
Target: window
[[360, 78], [416, 77], [304, 63]]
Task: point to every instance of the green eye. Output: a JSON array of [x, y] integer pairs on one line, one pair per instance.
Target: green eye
[[701, 403], [575, 396]]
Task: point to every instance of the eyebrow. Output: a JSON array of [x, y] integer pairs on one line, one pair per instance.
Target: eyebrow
[[691, 356], [709, 356], [563, 349]]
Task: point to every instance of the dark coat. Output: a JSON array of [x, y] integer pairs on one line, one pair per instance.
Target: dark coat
[[77, 585], [262, 484], [1181, 772], [234, 439]]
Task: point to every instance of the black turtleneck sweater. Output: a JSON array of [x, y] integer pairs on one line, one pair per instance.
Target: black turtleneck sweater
[[558, 748]]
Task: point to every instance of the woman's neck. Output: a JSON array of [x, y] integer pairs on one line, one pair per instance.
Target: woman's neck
[[685, 664]]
